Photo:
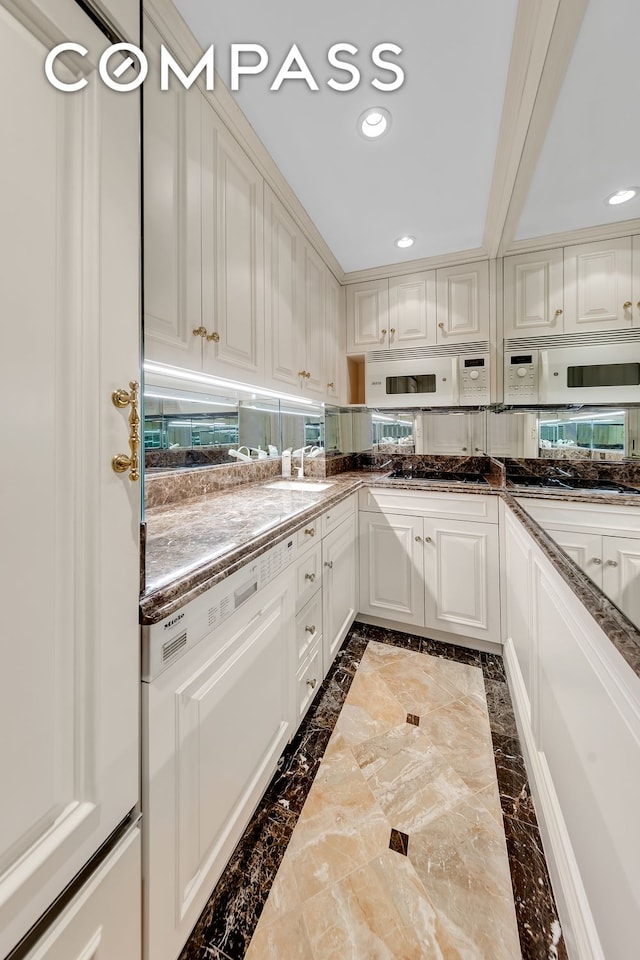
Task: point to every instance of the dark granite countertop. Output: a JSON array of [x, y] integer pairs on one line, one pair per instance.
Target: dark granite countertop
[[194, 544]]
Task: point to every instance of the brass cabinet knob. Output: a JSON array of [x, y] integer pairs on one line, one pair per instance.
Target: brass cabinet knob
[[215, 336], [627, 304], [441, 325], [310, 576], [310, 532], [121, 462], [612, 563], [384, 333], [301, 373], [329, 564], [427, 539], [418, 539], [310, 629], [331, 385], [558, 313], [200, 332], [308, 375], [596, 560], [311, 683], [638, 304], [392, 331]]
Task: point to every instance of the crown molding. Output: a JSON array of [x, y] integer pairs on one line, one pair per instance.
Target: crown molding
[[562, 40], [416, 266], [604, 231], [165, 17]]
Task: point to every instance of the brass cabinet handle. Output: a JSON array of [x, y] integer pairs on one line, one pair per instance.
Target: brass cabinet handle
[[627, 304], [558, 313], [310, 576], [596, 560], [121, 462], [311, 683], [215, 336], [200, 332], [310, 629], [612, 563], [310, 532], [332, 384], [329, 563]]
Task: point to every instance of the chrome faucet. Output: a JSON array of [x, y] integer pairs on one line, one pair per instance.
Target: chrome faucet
[[558, 472], [301, 467]]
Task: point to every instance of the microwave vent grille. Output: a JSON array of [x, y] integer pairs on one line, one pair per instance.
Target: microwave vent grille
[[421, 353], [595, 338]]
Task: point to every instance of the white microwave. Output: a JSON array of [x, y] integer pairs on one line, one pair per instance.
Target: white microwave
[[598, 369], [428, 377]]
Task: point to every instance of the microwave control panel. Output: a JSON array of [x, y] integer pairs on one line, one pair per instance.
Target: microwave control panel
[[475, 386], [521, 377]]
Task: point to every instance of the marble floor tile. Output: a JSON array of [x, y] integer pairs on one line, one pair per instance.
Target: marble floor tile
[[371, 708], [461, 733], [513, 784], [416, 689], [287, 938], [501, 716], [461, 859]]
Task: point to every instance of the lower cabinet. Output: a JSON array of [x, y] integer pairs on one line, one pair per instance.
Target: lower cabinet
[[102, 922], [439, 573], [340, 588]]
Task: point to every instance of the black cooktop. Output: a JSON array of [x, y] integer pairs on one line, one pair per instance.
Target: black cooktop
[[572, 483], [439, 476]]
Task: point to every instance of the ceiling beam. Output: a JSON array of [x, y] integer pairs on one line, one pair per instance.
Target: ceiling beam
[[544, 38]]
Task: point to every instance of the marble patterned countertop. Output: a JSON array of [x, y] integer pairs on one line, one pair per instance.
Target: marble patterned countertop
[[193, 544]]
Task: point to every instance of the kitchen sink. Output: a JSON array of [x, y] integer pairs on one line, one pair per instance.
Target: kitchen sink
[[312, 486]]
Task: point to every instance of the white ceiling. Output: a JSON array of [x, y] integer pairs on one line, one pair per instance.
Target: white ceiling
[[431, 176]]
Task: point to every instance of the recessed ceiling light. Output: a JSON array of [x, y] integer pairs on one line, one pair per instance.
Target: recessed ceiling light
[[374, 122], [403, 242], [621, 196]]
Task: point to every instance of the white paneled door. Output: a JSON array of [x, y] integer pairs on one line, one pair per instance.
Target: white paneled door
[[391, 567], [69, 229]]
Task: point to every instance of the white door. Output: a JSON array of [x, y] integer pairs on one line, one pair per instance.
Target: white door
[[533, 294], [367, 316], [391, 567], [69, 245], [334, 347], [339, 585], [463, 303], [461, 577], [313, 320], [233, 312], [597, 286], [585, 549], [173, 331], [621, 574], [412, 310], [284, 295]]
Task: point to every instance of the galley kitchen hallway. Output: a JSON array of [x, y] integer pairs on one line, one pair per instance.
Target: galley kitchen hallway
[[400, 824]]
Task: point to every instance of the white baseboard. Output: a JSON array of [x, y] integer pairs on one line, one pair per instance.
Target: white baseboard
[[578, 926]]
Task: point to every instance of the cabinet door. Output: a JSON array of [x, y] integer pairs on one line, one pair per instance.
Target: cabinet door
[[339, 585], [313, 322], [443, 434], [103, 921], [215, 724], [172, 218], [461, 577], [621, 574], [585, 549], [367, 316], [69, 241], [463, 303], [284, 295], [533, 294], [597, 286], [233, 313], [635, 280], [412, 310], [334, 347], [391, 567]]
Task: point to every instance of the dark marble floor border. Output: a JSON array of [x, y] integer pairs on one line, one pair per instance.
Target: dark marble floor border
[[226, 925]]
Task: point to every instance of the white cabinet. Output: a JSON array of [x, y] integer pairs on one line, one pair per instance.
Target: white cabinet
[[621, 574], [584, 548], [340, 592], [440, 572], [533, 294], [451, 435], [598, 286], [313, 322], [392, 567], [367, 316], [334, 341], [412, 310], [215, 724], [463, 303], [69, 241], [103, 920]]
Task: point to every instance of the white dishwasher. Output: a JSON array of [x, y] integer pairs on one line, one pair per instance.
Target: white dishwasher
[[217, 712]]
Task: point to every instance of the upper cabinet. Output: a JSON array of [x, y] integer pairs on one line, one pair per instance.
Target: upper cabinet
[[334, 345], [533, 294], [463, 303], [581, 288], [450, 305]]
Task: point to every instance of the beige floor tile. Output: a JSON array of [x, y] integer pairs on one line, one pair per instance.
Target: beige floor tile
[[491, 800], [461, 679], [381, 654], [462, 734], [414, 688], [461, 859], [370, 709], [283, 897], [286, 939]]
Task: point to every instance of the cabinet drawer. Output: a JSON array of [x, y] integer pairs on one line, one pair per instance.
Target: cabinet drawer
[[308, 681], [604, 519], [308, 575], [309, 534], [333, 517], [462, 506], [308, 626]]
